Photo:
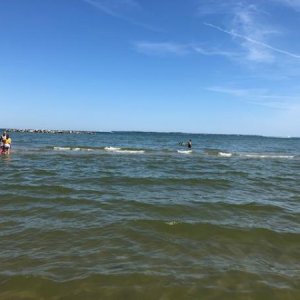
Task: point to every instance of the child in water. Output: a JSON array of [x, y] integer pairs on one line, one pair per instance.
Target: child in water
[[6, 144]]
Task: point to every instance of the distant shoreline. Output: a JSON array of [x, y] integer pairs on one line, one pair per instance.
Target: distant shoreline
[[63, 131], [49, 131]]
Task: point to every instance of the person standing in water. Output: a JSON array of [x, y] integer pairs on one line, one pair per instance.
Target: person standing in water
[[7, 144], [3, 140], [187, 144]]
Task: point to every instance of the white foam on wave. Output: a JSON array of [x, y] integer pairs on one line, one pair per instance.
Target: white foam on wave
[[172, 223], [224, 154], [111, 148], [62, 148], [268, 156], [120, 150], [71, 149], [131, 151], [185, 151]]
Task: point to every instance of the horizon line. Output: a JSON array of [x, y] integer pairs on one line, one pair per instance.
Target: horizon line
[[28, 130]]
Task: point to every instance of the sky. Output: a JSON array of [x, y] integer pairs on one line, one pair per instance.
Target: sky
[[196, 66]]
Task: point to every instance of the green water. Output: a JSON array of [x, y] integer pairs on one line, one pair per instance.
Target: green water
[[125, 216]]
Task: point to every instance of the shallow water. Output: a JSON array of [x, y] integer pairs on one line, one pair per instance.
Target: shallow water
[[126, 216]]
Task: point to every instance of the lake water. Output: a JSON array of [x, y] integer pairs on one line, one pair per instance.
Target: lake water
[[124, 215]]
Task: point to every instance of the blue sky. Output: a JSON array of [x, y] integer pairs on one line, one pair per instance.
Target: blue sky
[[193, 66]]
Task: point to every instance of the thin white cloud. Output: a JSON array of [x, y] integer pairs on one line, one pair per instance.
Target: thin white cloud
[[248, 24], [294, 4], [121, 9], [213, 7], [216, 52], [248, 39], [114, 8], [230, 91], [260, 97], [229, 7], [162, 48], [281, 104]]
